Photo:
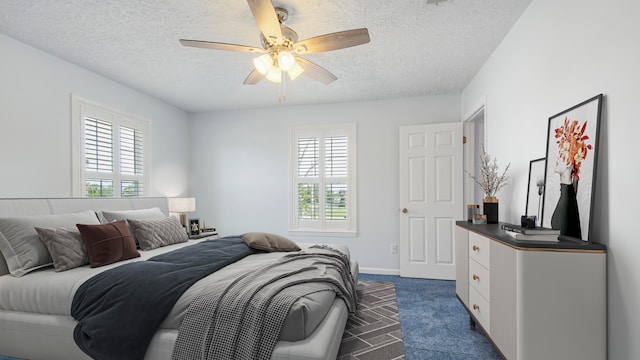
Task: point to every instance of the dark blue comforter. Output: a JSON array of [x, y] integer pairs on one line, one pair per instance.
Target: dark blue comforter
[[120, 309]]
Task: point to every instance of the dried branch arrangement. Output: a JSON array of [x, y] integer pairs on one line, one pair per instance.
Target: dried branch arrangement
[[490, 181]]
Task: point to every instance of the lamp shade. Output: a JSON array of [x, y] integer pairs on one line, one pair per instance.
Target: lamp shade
[[295, 71], [182, 205], [274, 74], [285, 60], [263, 63]]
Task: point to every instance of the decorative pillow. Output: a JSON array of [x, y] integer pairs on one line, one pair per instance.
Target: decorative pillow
[[65, 246], [268, 242], [108, 243], [141, 214], [20, 244], [153, 234]]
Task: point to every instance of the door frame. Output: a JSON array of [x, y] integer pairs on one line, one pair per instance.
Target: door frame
[[474, 141]]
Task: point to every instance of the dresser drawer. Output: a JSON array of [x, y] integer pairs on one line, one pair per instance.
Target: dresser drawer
[[480, 308], [479, 249], [479, 278]]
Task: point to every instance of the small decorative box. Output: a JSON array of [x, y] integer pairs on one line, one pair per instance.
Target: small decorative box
[[479, 219]]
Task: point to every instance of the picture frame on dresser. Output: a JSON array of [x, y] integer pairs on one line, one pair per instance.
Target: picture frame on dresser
[[570, 171], [535, 189], [194, 227]]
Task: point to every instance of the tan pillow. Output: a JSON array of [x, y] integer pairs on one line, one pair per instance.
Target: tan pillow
[[268, 242]]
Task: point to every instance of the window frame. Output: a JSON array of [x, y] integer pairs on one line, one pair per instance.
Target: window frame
[[82, 108], [324, 227]]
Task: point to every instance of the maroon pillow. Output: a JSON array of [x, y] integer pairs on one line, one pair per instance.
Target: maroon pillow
[[108, 243]]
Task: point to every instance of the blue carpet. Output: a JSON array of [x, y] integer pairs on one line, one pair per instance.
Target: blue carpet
[[434, 324]]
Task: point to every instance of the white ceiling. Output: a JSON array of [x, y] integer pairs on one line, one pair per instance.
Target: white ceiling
[[417, 48]]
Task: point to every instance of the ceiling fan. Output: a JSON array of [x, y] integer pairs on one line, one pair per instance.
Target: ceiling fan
[[281, 50]]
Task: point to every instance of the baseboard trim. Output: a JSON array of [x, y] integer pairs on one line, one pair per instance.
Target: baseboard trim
[[379, 271]]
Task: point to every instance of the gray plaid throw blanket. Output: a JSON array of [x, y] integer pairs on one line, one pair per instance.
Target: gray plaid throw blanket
[[244, 320]]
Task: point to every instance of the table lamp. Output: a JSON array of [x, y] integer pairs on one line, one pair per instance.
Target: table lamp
[[182, 206]]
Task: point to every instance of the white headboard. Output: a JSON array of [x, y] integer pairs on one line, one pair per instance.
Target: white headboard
[[43, 206]]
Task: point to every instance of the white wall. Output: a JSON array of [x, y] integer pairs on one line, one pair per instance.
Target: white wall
[[241, 167], [35, 124], [558, 54]]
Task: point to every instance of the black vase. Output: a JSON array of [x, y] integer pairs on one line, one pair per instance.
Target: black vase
[[491, 210]]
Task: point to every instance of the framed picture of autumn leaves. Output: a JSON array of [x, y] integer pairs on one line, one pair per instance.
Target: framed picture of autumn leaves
[[570, 171]]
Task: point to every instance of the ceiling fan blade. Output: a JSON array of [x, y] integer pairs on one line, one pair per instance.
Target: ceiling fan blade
[[253, 78], [333, 41], [221, 46], [316, 71], [267, 19]]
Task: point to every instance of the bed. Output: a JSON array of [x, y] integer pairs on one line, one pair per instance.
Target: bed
[[35, 308]]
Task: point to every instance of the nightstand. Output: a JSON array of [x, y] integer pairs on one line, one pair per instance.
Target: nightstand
[[202, 235]]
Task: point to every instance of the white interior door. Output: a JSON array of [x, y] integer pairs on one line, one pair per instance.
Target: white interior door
[[431, 198]]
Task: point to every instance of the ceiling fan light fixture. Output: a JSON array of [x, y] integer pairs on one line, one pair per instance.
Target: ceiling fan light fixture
[[263, 63], [295, 71], [281, 49], [274, 74], [285, 60]]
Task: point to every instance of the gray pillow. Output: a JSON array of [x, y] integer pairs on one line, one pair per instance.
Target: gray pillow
[[20, 244], [268, 242], [153, 234], [141, 214], [66, 247]]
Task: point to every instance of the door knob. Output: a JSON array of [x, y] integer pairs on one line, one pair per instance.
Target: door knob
[[404, 210]]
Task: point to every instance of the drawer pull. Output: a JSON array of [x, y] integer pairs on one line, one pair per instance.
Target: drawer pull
[[476, 277], [476, 307], [475, 248]]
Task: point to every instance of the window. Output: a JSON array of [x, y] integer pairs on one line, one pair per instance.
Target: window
[[323, 185], [110, 152]]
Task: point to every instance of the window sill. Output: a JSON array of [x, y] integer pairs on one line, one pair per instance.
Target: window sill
[[326, 233]]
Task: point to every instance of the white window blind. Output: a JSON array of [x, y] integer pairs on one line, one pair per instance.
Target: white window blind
[[131, 161], [323, 159], [98, 145], [110, 153], [131, 151]]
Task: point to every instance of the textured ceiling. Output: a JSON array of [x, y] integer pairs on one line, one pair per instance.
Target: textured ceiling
[[417, 48]]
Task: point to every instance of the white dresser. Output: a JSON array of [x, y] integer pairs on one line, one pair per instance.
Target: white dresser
[[535, 300]]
